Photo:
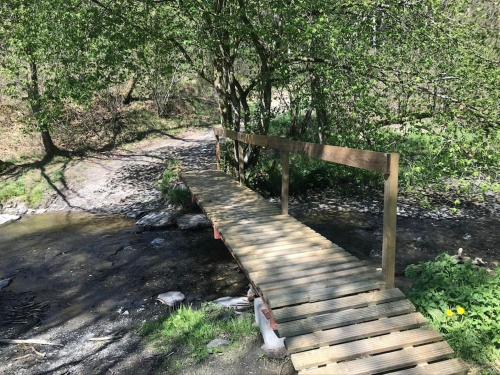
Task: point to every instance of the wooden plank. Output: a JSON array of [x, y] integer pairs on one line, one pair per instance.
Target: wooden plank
[[387, 361], [344, 318], [448, 367], [279, 228], [285, 250], [297, 253], [318, 286], [355, 332], [264, 238], [297, 281], [323, 294], [337, 304], [285, 180], [390, 217], [369, 160], [280, 269], [256, 265], [283, 245], [369, 346], [279, 276]]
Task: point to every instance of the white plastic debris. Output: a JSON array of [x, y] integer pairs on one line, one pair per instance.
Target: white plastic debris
[[171, 298], [274, 346]]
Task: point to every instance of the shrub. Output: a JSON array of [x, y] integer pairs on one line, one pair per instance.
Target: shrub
[[463, 302]]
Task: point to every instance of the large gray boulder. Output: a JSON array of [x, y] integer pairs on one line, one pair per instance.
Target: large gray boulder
[[158, 219], [193, 221], [7, 218]]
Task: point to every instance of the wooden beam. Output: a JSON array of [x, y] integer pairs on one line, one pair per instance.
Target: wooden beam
[[369, 160], [217, 151], [241, 162], [285, 181], [390, 216]]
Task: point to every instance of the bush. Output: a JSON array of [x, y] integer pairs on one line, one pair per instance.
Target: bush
[[170, 177], [171, 187], [463, 302]]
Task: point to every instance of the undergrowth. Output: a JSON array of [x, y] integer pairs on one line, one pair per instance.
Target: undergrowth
[[463, 302], [454, 166], [170, 186], [183, 336], [31, 187]]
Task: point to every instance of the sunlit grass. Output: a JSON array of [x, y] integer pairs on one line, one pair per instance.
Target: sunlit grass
[[184, 334]]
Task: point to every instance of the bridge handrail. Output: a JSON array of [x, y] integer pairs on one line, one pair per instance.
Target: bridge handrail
[[385, 163]]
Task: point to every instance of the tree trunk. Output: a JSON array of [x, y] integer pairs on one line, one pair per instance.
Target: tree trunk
[[130, 90], [34, 97]]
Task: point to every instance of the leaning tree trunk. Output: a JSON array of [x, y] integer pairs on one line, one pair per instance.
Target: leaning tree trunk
[[130, 90]]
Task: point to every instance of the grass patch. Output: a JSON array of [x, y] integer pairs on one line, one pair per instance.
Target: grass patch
[[170, 186], [463, 302], [32, 187], [187, 331]]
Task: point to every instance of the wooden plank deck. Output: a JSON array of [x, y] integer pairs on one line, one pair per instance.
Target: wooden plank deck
[[335, 311]]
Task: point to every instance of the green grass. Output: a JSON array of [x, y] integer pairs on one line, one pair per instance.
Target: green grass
[[463, 302], [170, 186], [184, 334], [31, 187]]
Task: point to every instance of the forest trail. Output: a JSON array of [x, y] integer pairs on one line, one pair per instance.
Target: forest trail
[[125, 180]]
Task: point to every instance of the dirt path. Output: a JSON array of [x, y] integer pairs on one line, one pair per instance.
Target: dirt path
[[126, 180]]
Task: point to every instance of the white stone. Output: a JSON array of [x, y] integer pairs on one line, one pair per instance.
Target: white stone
[[193, 221], [7, 218], [171, 298], [217, 343]]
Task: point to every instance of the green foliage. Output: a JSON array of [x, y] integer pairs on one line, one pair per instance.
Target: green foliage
[[187, 331], [170, 177], [461, 164], [10, 190], [462, 301], [170, 187]]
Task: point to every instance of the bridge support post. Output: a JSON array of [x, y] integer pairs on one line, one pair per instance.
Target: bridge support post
[[217, 151], [285, 181], [241, 162], [390, 216]]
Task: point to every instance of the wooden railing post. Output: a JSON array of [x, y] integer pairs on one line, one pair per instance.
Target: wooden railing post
[[241, 163], [217, 151], [390, 215], [285, 181]]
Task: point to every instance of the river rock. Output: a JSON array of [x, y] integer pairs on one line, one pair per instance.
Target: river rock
[[193, 221], [237, 303], [158, 242], [171, 298], [7, 218], [158, 219], [218, 343]]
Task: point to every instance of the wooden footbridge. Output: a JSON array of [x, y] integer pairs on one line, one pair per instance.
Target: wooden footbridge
[[339, 315]]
